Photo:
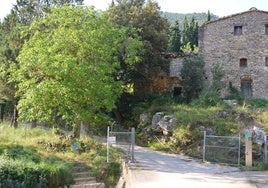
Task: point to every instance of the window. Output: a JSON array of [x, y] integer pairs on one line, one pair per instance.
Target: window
[[243, 62], [237, 30], [266, 61], [266, 29]]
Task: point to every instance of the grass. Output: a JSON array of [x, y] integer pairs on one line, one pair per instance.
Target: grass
[[191, 119], [44, 152]]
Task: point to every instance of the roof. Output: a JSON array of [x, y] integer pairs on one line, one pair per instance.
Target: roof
[[253, 9]]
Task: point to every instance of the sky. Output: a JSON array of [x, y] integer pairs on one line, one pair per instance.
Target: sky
[[218, 7]]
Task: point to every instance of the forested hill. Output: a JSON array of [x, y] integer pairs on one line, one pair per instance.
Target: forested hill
[[199, 17]]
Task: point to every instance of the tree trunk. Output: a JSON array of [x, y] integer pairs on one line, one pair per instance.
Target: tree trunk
[[15, 116], [2, 112], [118, 115]]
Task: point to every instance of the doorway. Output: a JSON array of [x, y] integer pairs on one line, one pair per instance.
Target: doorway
[[246, 86]]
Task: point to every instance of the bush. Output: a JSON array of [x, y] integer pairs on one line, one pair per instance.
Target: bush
[[22, 167], [17, 173], [206, 99]]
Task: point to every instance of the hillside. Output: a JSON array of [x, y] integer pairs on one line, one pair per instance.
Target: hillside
[[199, 17]]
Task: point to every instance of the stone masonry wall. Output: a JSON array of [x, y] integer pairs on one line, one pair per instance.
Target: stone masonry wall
[[218, 44]]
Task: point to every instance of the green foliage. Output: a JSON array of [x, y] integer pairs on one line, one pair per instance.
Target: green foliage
[[259, 166], [187, 49], [27, 161], [207, 98], [21, 166], [258, 103], [217, 76], [201, 18], [73, 82], [13, 37], [174, 44], [234, 93], [192, 77], [151, 27], [190, 34]]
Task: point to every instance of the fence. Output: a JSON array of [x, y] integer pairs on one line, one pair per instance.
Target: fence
[[223, 149], [122, 139], [266, 148]]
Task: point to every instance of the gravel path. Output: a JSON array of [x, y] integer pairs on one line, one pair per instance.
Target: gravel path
[[154, 169]]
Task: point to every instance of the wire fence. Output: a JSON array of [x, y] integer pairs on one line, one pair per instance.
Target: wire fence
[[221, 149], [124, 140], [266, 148]]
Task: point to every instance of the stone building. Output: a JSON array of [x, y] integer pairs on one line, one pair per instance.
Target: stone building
[[239, 43]]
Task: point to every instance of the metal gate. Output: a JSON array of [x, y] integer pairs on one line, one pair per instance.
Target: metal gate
[[122, 139], [222, 149], [266, 148]]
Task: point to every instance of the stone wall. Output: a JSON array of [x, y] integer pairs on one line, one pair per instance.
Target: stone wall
[[219, 44], [175, 67]]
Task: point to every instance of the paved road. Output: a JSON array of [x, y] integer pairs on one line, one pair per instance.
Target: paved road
[[154, 169]]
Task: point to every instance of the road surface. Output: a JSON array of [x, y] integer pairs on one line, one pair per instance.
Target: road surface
[[154, 169]]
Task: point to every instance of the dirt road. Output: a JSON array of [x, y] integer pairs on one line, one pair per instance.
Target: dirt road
[[154, 169]]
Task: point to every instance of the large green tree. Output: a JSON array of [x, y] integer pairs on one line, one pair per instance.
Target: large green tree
[[145, 18], [12, 39], [66, 68], [190, 33], [174, 45], [192, 77]]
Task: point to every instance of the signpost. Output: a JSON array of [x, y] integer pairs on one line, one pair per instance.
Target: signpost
[[248, 143]]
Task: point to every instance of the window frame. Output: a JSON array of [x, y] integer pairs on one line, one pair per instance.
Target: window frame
[[266, 29], [238, 30], [243, 62]]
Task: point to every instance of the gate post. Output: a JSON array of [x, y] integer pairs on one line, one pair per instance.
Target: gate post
[[265, 148], [132, 143], [239, 146], [108, 131], [204, 146]]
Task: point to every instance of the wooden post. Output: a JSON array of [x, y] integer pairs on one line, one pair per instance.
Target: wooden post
[[248, 143]]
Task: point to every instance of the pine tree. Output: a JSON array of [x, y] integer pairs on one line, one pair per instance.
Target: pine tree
[[208, 16], [174, 45], [190, 34], [185, 32]]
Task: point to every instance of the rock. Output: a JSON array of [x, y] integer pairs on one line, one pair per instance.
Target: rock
[[258, 135], [144, 119], [163, 123], [231, 102], [156, 118]]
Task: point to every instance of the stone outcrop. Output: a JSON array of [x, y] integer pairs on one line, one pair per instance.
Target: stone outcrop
[[164, 123]]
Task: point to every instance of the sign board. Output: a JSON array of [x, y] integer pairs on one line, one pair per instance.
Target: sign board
[[111, 140], [247, 134]]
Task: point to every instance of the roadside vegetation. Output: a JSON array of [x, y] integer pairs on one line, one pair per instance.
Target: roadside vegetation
[[37, 157], [195, 117]]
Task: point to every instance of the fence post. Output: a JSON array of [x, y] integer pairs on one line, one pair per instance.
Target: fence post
[[265, 148], [239, 140], [108, 131], [132, 143], [204, 147]]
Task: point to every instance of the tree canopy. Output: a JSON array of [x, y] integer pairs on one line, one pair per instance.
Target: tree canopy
[[192, 77], [66, 68], [146, 19], [12, 39]]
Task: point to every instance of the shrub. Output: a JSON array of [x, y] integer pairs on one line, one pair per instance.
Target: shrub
[[206, 99], [19, 173]]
